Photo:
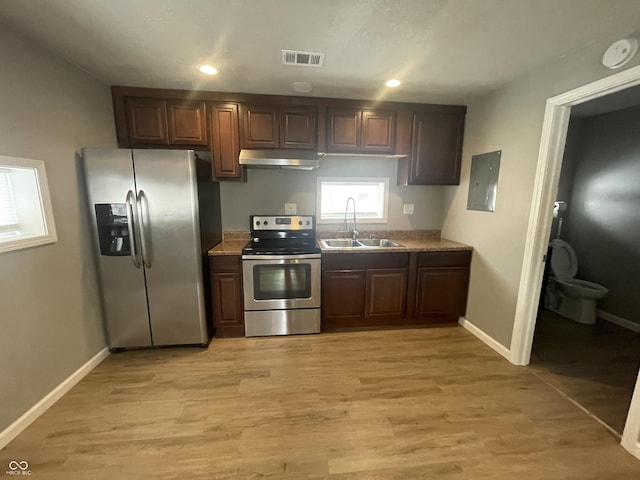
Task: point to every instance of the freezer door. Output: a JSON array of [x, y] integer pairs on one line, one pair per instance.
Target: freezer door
[[109, 178], [170, 235]]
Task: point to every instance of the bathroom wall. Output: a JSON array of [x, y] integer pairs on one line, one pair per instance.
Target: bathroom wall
[[572, 148], [266, 192], [603, 217]]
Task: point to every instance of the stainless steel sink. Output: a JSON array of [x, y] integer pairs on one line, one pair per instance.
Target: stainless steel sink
[[340, 243], [378, 242], [360, 243]]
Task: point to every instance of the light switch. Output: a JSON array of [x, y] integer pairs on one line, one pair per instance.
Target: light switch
[[407, 209], [290, 208]]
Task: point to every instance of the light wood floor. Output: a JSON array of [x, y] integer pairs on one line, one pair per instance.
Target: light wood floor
[[403, 404], [595, 365]]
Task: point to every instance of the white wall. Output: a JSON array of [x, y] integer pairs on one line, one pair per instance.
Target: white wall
[[50, 318], [510, 120], [266, 192]]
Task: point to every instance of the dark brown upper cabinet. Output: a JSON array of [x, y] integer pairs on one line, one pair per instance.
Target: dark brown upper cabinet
[[298, 128], [187, 122], [428, 136], [153, 121], [273, 126], [436, 149], [355, 130], [225, 142], [146, 119]]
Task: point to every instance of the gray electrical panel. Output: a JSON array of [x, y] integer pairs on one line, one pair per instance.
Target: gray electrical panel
[[483, 183]]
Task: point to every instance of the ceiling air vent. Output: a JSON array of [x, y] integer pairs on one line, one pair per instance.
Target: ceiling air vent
[[305, 59]]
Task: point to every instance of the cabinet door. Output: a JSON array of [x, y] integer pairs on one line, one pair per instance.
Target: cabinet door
[[344, 129], [298, 127], [226, 293], [260, 127], [342, 298], [386, 293], [228, 314], [225, 145], [378, 132], [187, 123], [146, 121], [441, 293], [436, 149]]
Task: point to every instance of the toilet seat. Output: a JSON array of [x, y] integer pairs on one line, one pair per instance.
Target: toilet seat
[[564, 263], [585, 284]]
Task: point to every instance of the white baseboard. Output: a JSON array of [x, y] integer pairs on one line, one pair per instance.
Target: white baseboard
[[497, 346], [17, 427], [622, 322]]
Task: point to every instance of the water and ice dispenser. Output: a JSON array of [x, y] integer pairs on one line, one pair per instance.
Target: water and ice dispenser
[[113, 231]]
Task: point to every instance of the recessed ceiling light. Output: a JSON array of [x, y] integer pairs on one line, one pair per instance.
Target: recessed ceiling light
[[209, 69], [393, 83], [302, 87]]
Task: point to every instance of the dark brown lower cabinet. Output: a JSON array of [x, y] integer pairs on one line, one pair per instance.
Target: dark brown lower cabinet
[[343, 297], [386, 293], [442, 286], [393, 289], [362, 290], [226, 292]]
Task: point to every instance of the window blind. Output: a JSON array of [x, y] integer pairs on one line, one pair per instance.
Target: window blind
[[8, 215]]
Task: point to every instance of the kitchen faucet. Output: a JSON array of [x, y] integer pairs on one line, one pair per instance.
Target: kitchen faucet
[[354, 231]]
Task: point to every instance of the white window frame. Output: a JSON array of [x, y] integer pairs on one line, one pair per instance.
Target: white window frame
[[35, 210], [347, 181]]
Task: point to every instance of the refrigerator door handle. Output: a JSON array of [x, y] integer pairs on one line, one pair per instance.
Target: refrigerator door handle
[[143, 238], [132, 240]]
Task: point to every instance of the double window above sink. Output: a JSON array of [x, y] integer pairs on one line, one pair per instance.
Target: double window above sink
[[360, 243]]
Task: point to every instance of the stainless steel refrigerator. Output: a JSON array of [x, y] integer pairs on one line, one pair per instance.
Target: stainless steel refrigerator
[[153, 223]]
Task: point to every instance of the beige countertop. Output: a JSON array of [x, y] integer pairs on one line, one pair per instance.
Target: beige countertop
[[234, 246]]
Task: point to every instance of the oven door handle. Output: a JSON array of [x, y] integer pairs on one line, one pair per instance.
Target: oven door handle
[[284, 258]]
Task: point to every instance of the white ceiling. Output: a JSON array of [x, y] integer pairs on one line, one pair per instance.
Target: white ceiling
[[443, 50]]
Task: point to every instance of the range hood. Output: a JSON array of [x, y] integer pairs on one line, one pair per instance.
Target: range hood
[[284, 159]]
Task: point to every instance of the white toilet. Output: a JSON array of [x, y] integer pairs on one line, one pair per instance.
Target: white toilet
[[568, 296]]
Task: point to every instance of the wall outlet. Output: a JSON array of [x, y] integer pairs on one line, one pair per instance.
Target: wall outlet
[[407, 208], [290, 208]]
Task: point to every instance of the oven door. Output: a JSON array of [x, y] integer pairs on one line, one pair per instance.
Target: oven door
[[281, 282]]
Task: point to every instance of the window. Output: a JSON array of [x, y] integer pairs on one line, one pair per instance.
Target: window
[[26, 218], [370, 196]]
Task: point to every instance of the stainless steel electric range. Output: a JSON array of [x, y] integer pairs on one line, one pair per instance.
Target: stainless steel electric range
[[281, 276]]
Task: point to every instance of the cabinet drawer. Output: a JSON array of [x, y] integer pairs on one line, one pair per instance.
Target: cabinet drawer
[[444, 259], [360, 261], [226, 263]]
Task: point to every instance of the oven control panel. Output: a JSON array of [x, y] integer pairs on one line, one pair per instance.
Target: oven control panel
[[282, 222]]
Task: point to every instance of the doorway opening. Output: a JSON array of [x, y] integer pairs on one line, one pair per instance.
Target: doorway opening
[[554, 133], [587, 336]]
